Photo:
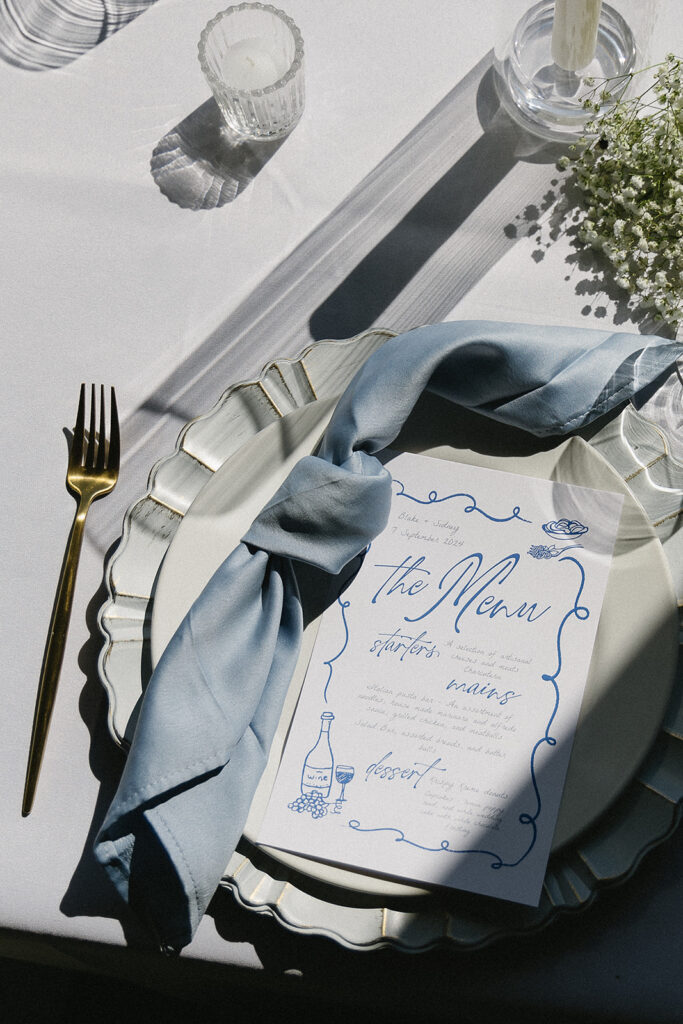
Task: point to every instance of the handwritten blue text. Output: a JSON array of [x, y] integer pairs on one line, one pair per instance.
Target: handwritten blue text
[[465, 583]]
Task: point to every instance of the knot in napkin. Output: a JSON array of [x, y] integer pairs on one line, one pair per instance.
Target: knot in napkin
[[212, 706]]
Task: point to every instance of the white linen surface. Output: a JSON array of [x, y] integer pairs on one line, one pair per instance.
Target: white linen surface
[[105, 278]]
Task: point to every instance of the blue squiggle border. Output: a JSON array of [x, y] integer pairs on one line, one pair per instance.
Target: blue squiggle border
[[578, 611], [343, 605], [434, 499], [443, 847]]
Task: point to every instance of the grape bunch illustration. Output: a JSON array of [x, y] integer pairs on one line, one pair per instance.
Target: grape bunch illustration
[[310, 803]]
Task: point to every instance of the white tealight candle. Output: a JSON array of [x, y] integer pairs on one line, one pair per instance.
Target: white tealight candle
[[250, 64], [575, 33]]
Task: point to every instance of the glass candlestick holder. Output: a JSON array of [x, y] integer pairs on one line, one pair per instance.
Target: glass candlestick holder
[[541, 72]]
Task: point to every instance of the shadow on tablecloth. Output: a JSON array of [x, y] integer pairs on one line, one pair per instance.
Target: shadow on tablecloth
[[41, 34]]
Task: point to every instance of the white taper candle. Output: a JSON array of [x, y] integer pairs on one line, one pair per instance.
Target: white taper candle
[[575, 33]]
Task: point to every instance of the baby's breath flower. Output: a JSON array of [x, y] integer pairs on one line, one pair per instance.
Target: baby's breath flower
[[629, 168]]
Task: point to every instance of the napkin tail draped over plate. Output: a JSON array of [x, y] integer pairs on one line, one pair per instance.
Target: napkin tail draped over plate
[[210, 711]]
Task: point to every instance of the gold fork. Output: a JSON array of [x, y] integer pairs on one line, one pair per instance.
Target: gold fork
[[92, 472]]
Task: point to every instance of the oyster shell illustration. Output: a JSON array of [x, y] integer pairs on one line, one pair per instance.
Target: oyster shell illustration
[[565, 528]]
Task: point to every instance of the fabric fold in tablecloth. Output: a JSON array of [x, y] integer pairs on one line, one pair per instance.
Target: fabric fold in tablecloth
[[211, 708]]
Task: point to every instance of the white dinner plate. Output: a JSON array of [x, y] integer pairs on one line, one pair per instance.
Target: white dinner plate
[[633, 665]]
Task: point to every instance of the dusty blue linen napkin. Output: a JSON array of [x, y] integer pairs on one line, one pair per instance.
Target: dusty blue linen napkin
[[212, 705]]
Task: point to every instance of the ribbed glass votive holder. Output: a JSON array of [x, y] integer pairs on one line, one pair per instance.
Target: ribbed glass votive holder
[[252, 56]]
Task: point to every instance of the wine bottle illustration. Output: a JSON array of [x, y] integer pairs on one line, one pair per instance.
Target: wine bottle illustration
[[317, 772]]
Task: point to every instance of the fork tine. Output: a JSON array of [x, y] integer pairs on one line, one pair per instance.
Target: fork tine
[[101, 442], [114, 442], [90, 453], [79, 430]]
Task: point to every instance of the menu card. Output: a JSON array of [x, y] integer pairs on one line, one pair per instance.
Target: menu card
[[434, 727]]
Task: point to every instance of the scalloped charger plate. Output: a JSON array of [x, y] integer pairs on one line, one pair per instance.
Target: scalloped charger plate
[[627, 694]]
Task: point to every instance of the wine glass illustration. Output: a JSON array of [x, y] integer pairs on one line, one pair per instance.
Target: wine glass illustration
[[343, 774]]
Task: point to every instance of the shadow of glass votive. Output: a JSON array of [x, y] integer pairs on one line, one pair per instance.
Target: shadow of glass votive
[[252, 56]]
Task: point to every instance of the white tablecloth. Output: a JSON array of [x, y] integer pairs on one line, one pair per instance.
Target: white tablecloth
[[403, 197]]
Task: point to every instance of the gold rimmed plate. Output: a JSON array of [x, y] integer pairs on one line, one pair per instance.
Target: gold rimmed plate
[[620, 798]]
